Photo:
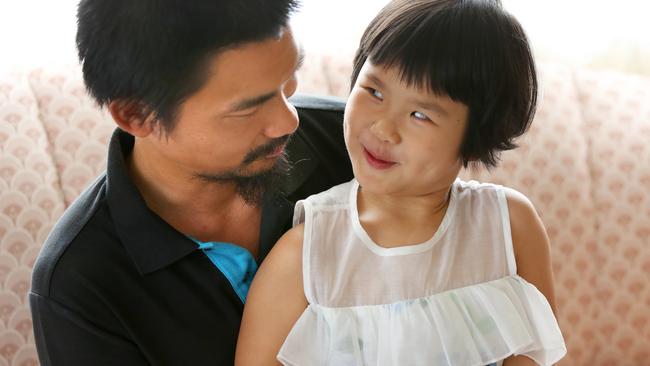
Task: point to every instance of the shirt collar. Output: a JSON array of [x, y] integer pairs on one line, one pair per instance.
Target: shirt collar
[[153, 244], [149, 240]]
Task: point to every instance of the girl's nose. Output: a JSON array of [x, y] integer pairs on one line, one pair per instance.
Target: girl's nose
[[385, 131]]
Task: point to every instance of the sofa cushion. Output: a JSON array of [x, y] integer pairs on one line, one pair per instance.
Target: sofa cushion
[[30, 203], [77, 129], [616, 111]]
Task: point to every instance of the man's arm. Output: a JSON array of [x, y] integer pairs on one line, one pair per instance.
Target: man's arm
[[63, 337], [275, 302]]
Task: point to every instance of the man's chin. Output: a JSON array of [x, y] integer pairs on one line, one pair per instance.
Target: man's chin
[[253, 186]]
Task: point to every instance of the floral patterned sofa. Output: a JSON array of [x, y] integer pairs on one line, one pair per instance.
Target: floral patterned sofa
[[585, 164]]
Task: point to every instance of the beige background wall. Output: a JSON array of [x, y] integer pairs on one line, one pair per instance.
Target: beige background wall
[[594, 33]]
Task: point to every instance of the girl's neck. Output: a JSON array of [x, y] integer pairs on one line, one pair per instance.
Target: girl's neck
[[393, 220], [423, 206]]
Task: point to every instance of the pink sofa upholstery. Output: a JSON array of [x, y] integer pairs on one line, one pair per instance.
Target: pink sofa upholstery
[[585, 164]]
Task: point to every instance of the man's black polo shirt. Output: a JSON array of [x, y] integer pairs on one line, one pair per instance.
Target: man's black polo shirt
[[116, 285]]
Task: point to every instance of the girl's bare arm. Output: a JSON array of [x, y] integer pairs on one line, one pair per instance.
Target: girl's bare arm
[[532, 254], [275, 302]]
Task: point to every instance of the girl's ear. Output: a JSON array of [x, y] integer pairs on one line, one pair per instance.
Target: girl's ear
[[132, 117]]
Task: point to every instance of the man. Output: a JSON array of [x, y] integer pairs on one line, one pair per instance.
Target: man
[[151, 264]]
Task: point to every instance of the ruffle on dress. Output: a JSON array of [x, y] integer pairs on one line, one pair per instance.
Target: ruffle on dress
[[474, 325]]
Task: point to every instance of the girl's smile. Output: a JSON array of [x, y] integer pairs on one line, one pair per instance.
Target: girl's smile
[[376, 162]]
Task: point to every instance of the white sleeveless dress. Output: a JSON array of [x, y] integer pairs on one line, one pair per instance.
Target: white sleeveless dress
[[454, 300]]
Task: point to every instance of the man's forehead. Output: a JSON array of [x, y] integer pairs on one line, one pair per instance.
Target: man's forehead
[[252, 70], [283, 38]]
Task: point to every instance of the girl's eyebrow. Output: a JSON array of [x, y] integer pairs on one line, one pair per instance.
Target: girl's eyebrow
[[432, 106], [376, 80], [428, 105]]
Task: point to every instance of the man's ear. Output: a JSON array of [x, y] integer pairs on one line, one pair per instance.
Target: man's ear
[[132, 117]]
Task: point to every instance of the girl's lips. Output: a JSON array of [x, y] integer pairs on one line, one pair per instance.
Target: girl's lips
[[376, 162]]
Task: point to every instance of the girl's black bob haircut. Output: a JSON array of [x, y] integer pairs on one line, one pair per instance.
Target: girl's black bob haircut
[[471, 50]]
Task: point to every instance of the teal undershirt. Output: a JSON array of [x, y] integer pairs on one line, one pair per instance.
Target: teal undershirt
[[235, 262]]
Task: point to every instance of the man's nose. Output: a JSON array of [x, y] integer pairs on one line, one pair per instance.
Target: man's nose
[[283, 119]]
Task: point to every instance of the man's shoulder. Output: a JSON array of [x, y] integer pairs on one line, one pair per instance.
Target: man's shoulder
[[321, 119], [310, 103], [66, 233], [321, 122], [318, 152]]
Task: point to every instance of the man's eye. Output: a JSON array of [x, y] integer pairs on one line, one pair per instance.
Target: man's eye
[[421, 116], [245, 113]]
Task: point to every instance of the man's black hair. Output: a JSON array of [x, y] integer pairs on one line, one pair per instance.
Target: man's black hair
[[156, 53]]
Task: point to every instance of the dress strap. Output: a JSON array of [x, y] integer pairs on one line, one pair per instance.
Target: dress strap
[[303, 214], [507, 233]]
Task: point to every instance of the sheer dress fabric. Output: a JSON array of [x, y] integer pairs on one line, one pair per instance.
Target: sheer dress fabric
[[454, 299]]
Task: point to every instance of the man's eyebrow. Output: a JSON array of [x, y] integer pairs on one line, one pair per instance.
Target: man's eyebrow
[[251, 102], [261, 99]]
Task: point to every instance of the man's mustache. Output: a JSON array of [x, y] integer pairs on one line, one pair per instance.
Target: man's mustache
[[266, 149]]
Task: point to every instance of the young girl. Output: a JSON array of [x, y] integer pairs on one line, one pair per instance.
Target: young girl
[[406, 264]]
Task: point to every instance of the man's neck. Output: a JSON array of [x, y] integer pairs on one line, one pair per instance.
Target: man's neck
[[204, 210]]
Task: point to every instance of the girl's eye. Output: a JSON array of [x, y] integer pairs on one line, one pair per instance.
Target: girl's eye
[[421, 116], [375, 93]]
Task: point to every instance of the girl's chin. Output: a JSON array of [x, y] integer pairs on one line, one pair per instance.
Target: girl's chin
[[373, 184]]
